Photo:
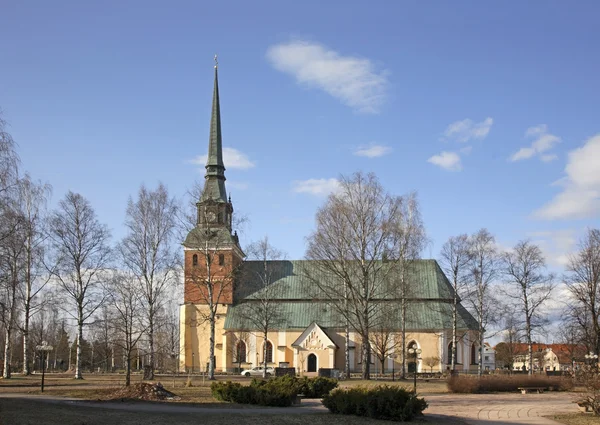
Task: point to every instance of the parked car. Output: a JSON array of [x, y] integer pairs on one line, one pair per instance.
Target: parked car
[[258, 371]]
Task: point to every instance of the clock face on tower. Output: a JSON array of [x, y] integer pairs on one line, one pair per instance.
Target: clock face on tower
[[210, 216]]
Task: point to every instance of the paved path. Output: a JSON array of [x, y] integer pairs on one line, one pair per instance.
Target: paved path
[[474, 409], [497, 409]]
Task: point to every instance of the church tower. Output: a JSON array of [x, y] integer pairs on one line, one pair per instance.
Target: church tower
[[211, 248]]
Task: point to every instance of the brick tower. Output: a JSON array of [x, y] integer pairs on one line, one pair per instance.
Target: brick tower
[[212, 254]]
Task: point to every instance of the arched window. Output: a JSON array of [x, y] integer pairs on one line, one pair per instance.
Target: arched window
[[269, 353], [195, 260], [450, 354], [221, 259], [240, 352], [474, 354]]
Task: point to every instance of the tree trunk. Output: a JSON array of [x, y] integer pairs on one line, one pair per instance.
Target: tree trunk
[[151, 340], [454, 325], [347, 351], [128, 367], [403, 336], [366, 354], [6, 374], [265, 363], [79, 339], [211, 351]]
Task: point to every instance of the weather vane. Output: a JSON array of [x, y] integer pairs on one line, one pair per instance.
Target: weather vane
[[216, 62]]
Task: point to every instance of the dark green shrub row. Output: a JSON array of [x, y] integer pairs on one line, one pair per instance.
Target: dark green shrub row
[[264, 394], [504, 383], [381, 402], [279, 391]]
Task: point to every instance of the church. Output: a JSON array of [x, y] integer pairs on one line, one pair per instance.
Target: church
[[307, 334]]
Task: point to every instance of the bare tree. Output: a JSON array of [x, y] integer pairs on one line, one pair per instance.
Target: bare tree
[[456, 259], [263, 311], [384, 336], [147, 251], [357, 246], [408, 241], [128, 306], [32, 198], [431, 362], [484, 269], [583, 282], [524, 269], [82, 252], [11, 276], [9, 160]]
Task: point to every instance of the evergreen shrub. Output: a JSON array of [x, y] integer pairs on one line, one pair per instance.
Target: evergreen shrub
[[381, 402]]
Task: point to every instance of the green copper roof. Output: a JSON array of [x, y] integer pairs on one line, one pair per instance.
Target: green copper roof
[[294, 280], [214, 183], [421, 316], [299, 302]]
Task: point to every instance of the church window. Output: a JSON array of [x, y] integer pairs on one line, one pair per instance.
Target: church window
[[450, 354], [474, 354], [240, 352], [268, 354], [220, 218], [195, 260], [221, 259]]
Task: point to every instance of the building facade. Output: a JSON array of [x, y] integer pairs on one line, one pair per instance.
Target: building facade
[[301, 328]]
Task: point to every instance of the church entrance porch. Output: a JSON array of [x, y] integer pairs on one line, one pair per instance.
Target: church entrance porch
[[312, 363]]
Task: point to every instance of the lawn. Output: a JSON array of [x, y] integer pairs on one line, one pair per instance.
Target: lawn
[[576, 419]]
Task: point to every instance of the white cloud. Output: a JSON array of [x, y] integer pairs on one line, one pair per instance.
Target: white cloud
[[556, 245], [466, 130], [580, 196], [373, 151], [352, 80], [232, 158], [543, 142], [319, 187], [447, 160]]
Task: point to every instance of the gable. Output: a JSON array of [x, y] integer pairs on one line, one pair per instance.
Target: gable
[[314, 338]]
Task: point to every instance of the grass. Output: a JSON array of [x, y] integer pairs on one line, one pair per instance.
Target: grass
[[32, 412], [577, 419]]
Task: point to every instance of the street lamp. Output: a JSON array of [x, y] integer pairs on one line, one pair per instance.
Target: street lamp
[[192, 362], [44, 348], [592, 358], [414, 351], [393, 357]]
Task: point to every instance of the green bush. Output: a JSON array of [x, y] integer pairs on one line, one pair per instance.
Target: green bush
[[505, 383], [381, 402], [263, 393], [279, 391], [316, 387]]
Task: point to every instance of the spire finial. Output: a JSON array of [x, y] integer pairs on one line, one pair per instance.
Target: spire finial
[[216, 62]]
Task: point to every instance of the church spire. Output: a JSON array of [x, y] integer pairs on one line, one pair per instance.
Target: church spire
[[214, 183]]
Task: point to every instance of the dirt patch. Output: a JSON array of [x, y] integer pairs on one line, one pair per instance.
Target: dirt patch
[[146, 391]]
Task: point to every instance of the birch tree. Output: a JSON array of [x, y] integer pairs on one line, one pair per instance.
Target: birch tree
[[32, 198], [263, 313], [456, 259], [583, 282], [147, 252], [484, 270], [524, 269], [81, 246], [358, 228], [128, 307]]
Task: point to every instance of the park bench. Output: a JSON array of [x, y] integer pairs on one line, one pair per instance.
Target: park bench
[[525, 390]]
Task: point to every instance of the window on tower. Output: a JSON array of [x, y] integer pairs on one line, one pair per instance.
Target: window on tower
[[195, 260], [221, 260]]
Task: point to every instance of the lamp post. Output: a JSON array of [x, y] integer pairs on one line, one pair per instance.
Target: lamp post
[[414, 351], [44, 348], [393, 357], [592, 358], [192, 362]]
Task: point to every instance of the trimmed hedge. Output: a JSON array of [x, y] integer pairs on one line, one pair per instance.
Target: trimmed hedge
[[279, 391], [505, 383], [381, 402]]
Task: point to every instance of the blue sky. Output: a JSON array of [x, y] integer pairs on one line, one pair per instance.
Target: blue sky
[[489, 111]]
